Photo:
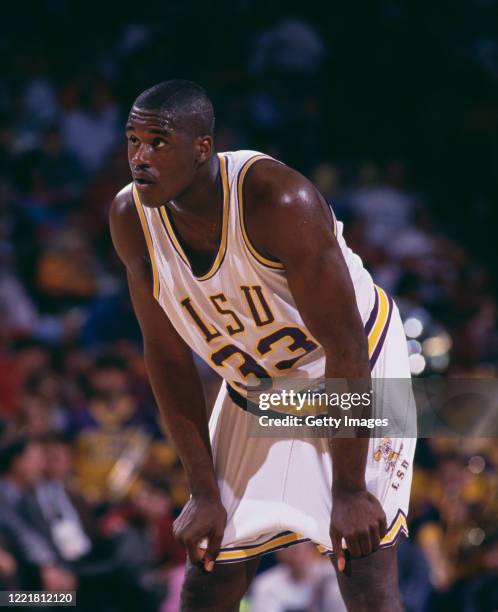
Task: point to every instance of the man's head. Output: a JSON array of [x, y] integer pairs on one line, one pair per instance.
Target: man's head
[[58, 457], [22, 460], [108, 378], [153, 500], [170, 136]]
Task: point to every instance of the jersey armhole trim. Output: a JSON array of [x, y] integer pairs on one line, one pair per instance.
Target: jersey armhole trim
[[150, 244], [334, 221], [269, 263], [378, 324]]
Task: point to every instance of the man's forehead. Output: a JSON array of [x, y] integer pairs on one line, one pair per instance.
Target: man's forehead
[[151, 119]]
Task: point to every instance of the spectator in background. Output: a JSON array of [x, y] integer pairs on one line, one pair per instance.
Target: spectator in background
[[481, 592], [89, 121], [39, 96], [414, 583], [384, 206], [302, 582], [102, 576], [27, 356], [291, 47], [35, 418], [148, 544], [67, 271], [286, 61], [59, 505], [21, 466], [115, 431], [40, 412], [17, 311], [50, 178]]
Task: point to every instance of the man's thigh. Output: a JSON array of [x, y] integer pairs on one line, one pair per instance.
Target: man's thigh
[[371, 583], [218, 591]]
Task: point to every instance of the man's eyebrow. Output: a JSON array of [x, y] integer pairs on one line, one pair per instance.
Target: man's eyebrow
[[160, 131]]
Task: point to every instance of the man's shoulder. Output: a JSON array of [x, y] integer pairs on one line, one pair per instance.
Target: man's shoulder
[[125, 225], [123, 201], [275, 196], [123, 211], [271, 184]]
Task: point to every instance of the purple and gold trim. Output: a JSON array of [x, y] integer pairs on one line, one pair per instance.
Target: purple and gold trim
[[148, 239], [269, 263], [397, 527], [334, 222], [243, 553], [378, 323], [284, 539], [175, 243]]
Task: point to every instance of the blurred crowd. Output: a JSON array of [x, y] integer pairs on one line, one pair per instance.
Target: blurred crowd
[[89, 482]]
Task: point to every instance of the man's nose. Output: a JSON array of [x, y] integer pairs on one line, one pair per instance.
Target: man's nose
[[141, 156]]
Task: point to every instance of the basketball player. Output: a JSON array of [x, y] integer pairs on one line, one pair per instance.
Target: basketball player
[[237, 257]]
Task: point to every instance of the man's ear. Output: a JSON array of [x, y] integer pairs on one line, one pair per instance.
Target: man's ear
[[204, 148]]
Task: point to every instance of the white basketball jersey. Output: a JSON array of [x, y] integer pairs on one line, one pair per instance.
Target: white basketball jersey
[[240, 316]]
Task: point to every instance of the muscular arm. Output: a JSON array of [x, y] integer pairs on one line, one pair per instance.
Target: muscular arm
[[173, 376], [288, 219]]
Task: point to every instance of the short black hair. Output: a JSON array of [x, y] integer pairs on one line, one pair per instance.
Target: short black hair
[[29, 342], [158, 483], [186, 101], [57, 437], [10, 449]]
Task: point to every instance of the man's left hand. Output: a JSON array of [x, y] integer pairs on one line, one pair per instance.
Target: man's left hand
[[358, 517]]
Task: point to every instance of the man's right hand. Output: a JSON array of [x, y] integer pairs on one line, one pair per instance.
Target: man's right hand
[[201, 517]]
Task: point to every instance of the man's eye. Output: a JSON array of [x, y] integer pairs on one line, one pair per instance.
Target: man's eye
[[133, 139], [158, 142]]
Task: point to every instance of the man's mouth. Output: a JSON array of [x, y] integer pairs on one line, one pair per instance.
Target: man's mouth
[[143, 181]]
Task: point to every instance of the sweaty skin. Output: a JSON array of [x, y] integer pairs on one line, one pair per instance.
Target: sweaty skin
[[175, 167]]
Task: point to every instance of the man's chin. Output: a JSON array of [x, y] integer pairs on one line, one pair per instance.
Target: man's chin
[[149, 195]]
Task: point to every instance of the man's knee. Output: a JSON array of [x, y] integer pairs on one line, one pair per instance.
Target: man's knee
[[218, 591], [371, 583]]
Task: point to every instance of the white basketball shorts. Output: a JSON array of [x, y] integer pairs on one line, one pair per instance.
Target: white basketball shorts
[[277, 492]]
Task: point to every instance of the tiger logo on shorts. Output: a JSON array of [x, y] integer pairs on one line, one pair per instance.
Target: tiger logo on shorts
[[386, 451]]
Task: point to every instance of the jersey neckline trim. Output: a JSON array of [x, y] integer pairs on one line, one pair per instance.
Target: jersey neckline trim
[[269, 263], [220, 255]]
